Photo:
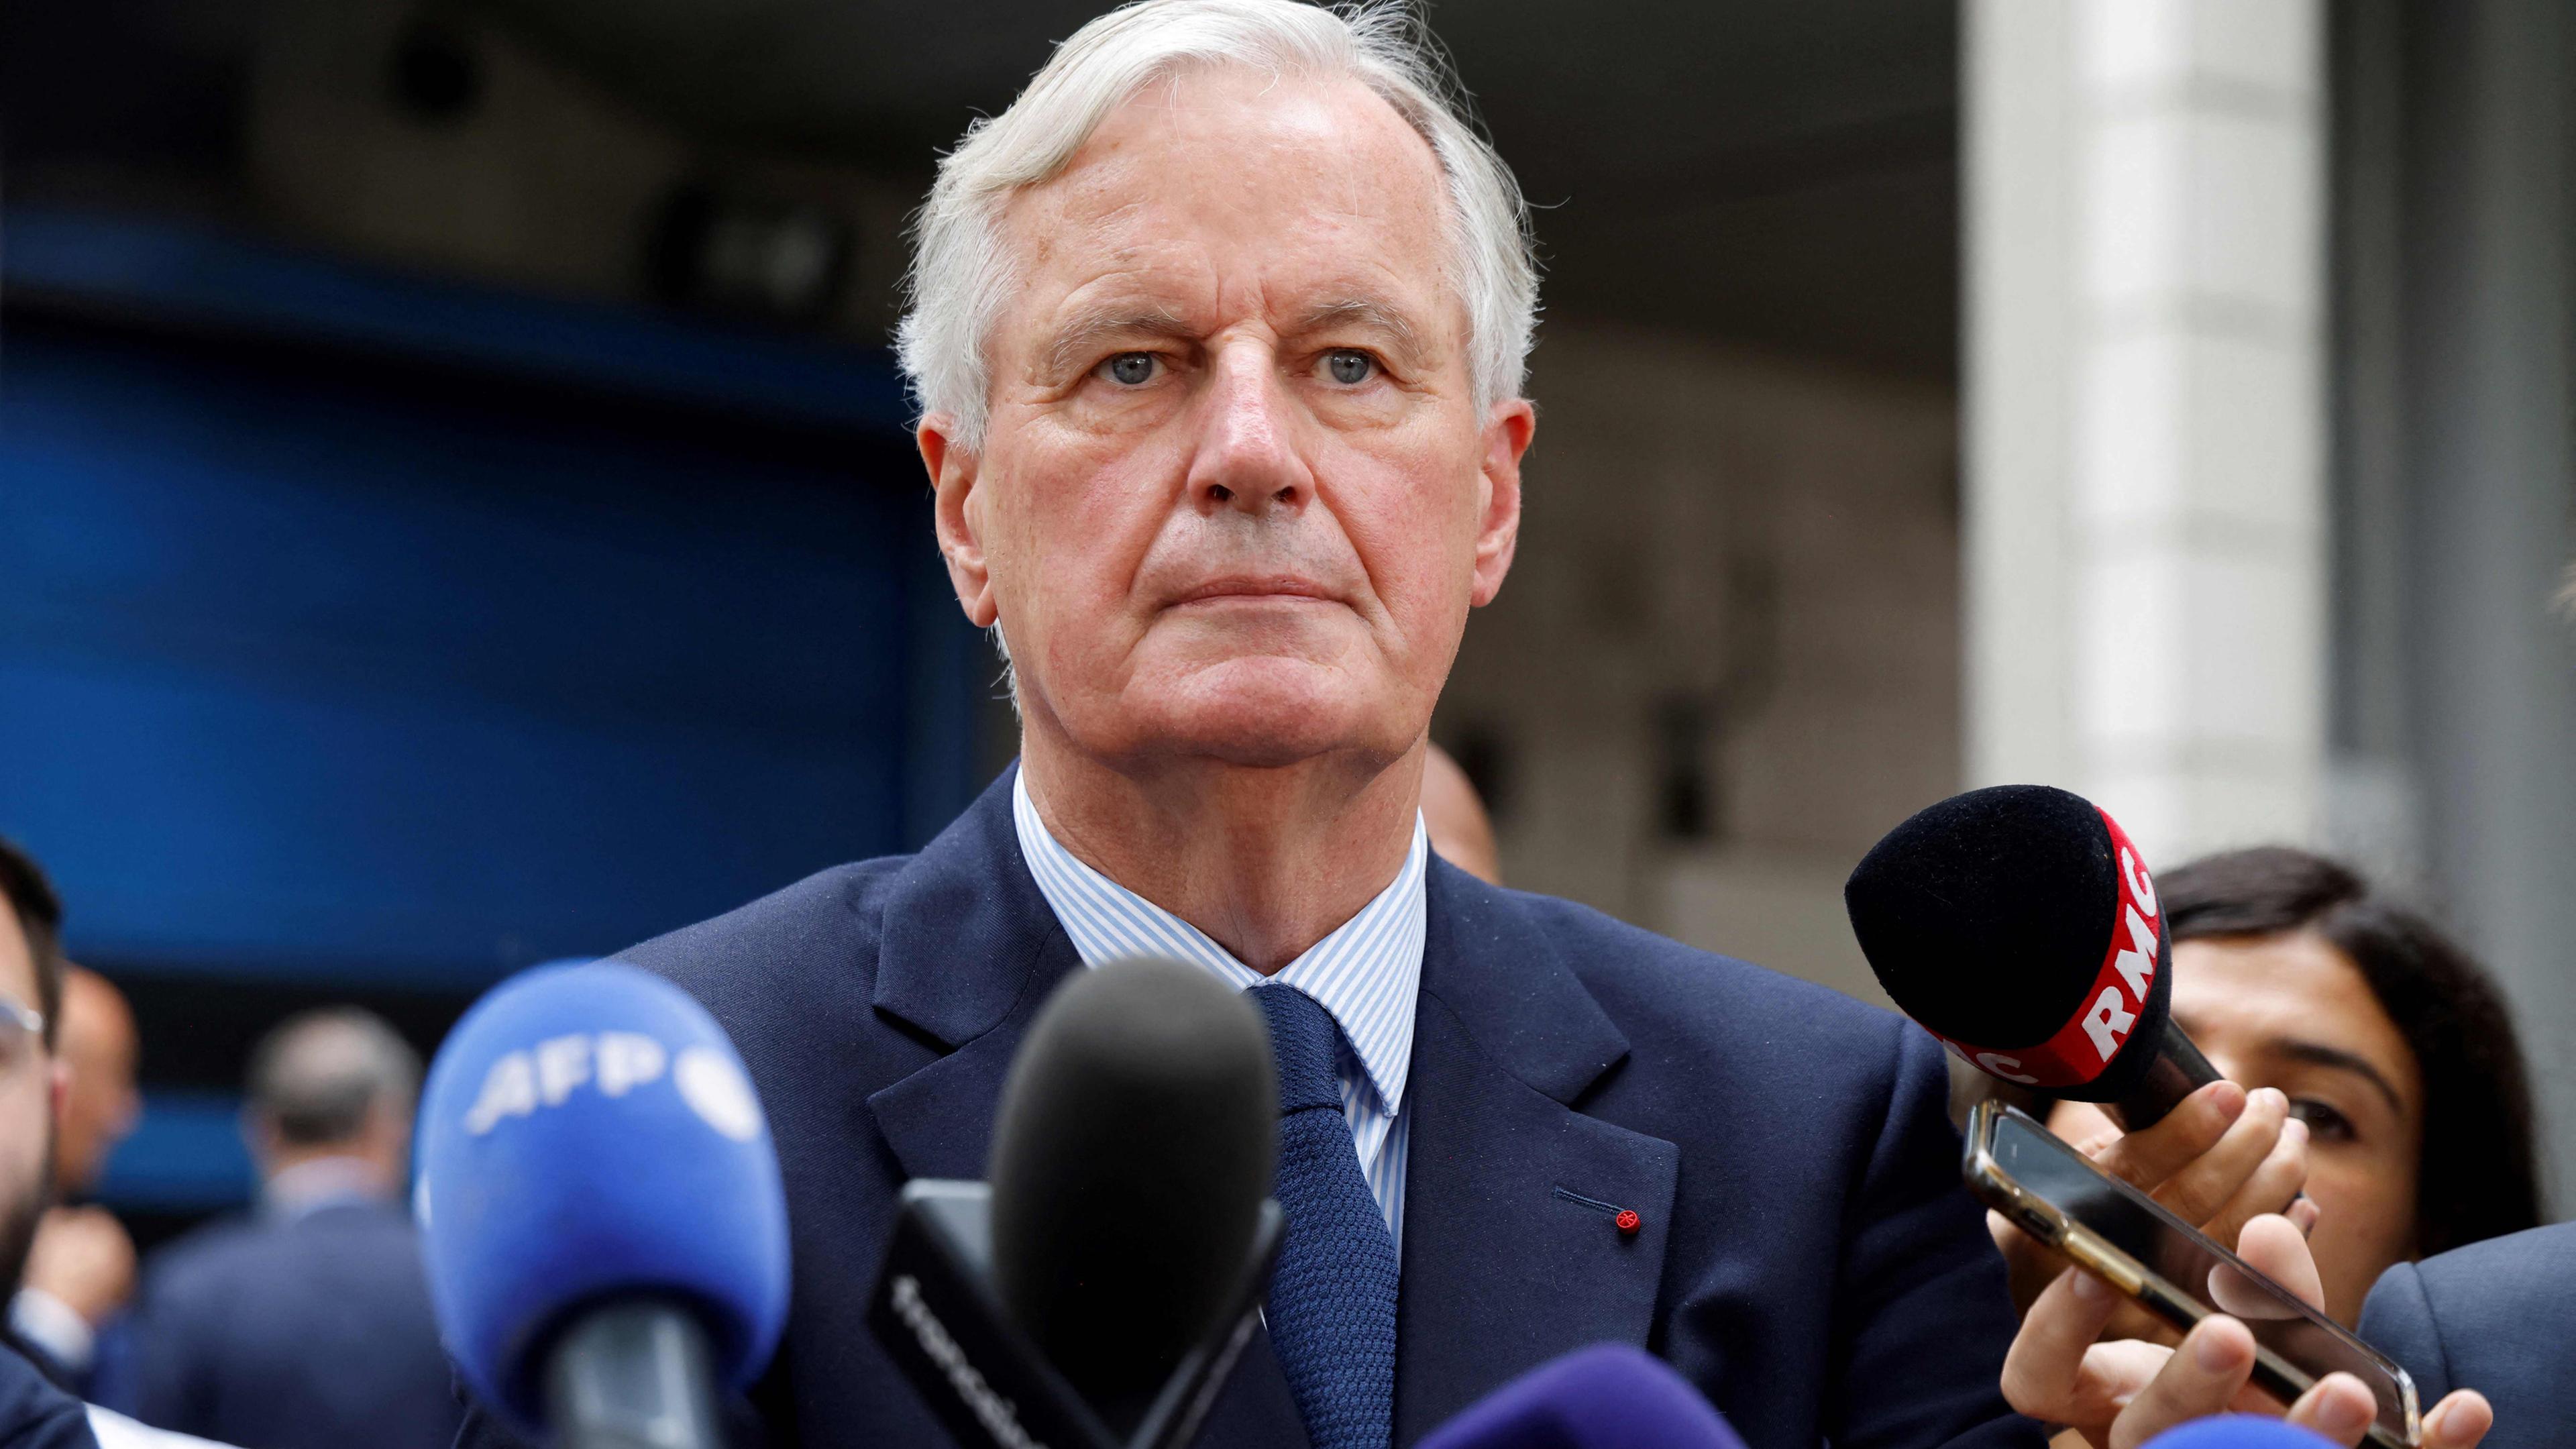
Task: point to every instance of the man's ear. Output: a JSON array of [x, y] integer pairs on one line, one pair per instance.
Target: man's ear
[[1508, 429], [952, 479], [58, 1089]]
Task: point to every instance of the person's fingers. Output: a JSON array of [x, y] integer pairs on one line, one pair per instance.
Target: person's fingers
[[2132, 1320], [2199, 1189], [2098, 1143], [2029, 1265], [2304, 1215], [2006, 1236], [2339, 1406], [2459, 1421], [2273, 1187], [2146, 1158], [2200, 1379], [2046, 1360], [2275, 1248]]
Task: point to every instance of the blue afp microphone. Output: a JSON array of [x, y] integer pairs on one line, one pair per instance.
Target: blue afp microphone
[[2239, 1431], [601, 1214], [1608, 1396]]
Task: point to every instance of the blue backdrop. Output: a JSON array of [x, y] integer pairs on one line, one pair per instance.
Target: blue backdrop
[[363, 630]]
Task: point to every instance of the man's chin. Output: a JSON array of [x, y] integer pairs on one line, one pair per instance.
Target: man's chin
[[1261, 714]]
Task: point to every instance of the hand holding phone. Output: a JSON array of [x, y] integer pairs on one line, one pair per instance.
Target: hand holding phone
[[2122, 1392], [2219, 1160]]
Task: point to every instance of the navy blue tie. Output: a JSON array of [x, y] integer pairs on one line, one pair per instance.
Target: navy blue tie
[[1332, 1299]]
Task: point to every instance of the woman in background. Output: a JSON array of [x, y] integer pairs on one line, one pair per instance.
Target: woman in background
[[2390, 1043]]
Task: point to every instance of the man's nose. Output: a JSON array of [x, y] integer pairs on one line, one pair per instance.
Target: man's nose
[[1247, 458]]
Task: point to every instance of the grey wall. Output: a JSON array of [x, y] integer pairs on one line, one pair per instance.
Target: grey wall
[[2456, 474]]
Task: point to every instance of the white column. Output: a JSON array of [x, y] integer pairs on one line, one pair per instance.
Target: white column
[[2145, 501]]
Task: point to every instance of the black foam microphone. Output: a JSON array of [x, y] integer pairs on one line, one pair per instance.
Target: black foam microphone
[[2020, 926], [1096, 1292]]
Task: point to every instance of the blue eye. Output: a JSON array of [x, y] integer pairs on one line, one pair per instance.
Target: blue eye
[[1130, 369], [1350, 368]]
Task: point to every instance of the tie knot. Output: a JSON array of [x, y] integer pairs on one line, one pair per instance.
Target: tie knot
[[1304, 1039]]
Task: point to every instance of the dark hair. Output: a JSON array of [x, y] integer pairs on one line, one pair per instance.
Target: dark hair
[[2477, 1175], [40, 920]]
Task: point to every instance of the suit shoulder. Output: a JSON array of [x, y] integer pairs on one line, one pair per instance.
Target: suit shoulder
[[207, 1259], [1697, 1022], [2478, 1317], [1633, 970], [737, 958], [2506, 1278]]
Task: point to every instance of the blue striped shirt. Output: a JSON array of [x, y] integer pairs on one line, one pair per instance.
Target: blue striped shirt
[[1367, 973]]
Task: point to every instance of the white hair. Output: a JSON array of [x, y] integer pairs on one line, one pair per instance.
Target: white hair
[[961, 272]]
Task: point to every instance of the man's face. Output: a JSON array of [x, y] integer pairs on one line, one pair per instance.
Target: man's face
[[26, 1108], [96, 1045], [1235, 496]]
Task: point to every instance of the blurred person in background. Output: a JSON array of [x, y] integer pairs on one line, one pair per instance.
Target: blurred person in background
[[98, 1046], [31, 1086], [1453, 814], [308, 1325], [34, 1414], [2376, 1036], [80, 1272]]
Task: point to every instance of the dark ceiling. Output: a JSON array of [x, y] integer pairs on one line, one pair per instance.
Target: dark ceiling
[[1780, 172]]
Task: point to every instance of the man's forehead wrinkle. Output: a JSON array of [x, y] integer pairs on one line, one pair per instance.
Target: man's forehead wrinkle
[[1086, 327], [1362, 310]]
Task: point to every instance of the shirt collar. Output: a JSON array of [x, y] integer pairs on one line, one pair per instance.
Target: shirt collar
[[319, 1182], [1367, 973]]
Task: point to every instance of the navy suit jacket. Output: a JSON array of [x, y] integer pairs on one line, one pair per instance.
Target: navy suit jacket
[[34, 1412], [313, 1332], [1807, 1257], [2498, 1317]]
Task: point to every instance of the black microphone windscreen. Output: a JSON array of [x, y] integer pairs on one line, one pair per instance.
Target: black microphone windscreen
[[1136, 1142], [1997, 918]]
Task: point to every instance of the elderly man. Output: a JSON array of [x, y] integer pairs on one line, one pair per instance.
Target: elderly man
[[1218, 333]]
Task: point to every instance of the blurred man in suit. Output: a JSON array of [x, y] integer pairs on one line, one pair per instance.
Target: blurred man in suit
[[308, 1325], [80, 1273]]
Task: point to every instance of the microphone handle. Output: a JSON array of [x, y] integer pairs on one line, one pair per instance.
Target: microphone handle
[[633, 1374], [2178, 1071]]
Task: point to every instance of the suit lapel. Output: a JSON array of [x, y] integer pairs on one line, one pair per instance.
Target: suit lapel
[[968, 950], [1513, 1252]]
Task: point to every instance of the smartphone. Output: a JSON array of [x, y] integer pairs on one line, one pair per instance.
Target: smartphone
[[2128, 1240]]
